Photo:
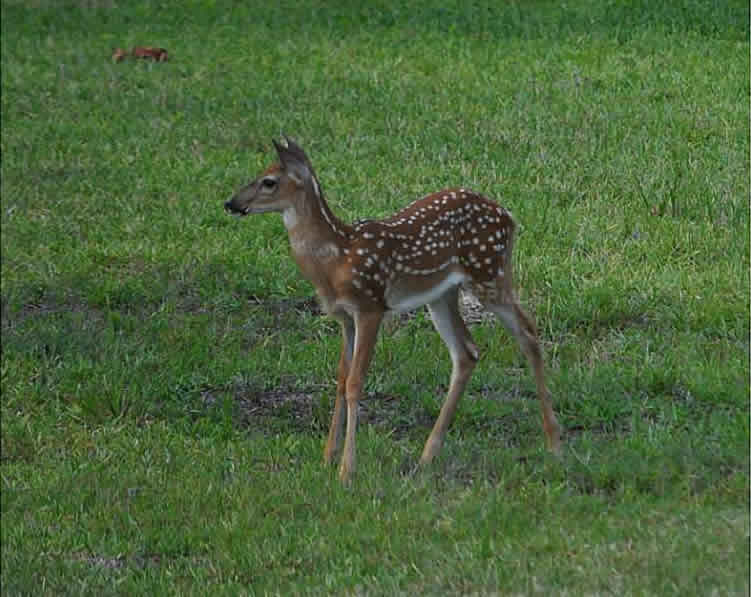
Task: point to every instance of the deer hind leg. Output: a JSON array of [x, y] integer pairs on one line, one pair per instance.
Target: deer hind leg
[[366, 332], [521, 326], [454, 333], [337, 418]]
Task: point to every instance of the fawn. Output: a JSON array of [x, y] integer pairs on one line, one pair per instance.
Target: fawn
[[419, 256]]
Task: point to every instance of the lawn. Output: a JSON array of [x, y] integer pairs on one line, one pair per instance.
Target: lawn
[[167, 378]]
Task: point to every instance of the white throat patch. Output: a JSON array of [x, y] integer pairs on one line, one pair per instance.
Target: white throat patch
[[290, 218]]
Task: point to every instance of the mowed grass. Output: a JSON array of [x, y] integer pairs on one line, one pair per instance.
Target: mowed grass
[[167, 381]]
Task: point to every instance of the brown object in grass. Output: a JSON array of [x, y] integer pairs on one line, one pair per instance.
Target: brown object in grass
[[145, 52]]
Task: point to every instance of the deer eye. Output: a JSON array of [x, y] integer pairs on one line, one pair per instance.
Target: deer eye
[[269, 183]]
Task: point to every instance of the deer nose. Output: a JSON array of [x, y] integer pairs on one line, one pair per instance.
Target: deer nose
[[228, 205]]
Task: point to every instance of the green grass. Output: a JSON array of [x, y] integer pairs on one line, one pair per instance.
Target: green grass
[[166, 384]]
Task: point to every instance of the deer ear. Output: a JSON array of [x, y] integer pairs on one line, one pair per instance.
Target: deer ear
[[295, 148], [293, 161], [280, 150]]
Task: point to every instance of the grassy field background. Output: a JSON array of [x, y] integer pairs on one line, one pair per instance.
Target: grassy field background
[[167, 379]]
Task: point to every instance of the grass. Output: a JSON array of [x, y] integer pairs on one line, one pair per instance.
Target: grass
[[167, 382]]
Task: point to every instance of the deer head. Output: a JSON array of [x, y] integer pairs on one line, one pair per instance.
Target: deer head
[[291, 183]]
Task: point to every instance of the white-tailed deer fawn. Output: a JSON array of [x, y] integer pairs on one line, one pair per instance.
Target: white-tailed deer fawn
[[421, 255]]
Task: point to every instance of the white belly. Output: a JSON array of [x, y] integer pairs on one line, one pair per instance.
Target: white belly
[[402, 296]]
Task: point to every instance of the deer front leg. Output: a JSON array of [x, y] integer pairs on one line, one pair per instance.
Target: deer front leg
[[337, 419], [366, 331]]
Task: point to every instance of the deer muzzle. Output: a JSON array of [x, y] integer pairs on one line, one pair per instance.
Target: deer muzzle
[[237, 206]]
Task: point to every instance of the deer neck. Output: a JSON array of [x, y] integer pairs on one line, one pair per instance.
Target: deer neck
[[318, 240], [312, 220]]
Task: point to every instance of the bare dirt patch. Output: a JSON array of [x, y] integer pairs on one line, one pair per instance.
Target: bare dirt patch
[[280, 306], [44, 305], [309, 409], [253, 408], [124, 562], [306, 409]]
